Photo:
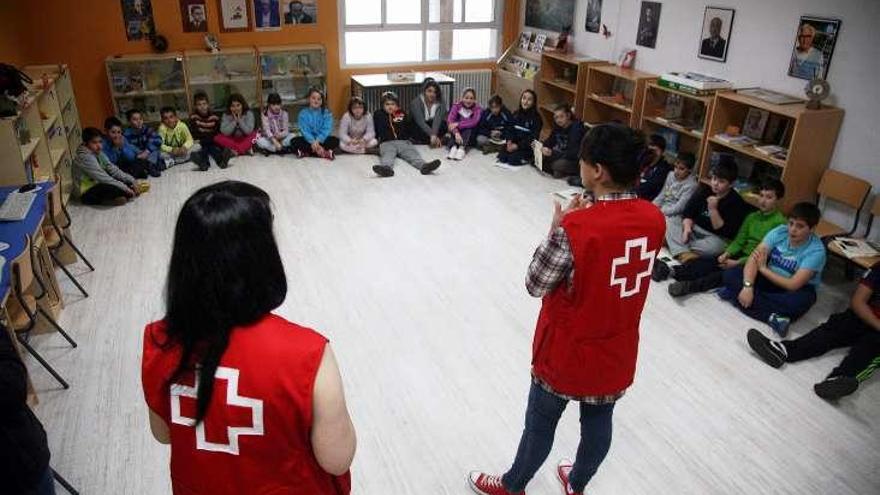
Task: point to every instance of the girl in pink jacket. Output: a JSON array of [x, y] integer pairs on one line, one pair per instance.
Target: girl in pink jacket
[[463, 119]]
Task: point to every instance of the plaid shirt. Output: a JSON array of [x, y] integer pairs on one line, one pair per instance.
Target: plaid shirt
[[552, 264]]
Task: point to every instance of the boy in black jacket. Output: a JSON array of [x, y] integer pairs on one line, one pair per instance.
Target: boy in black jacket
[[392, 131], [490, 132], [562, 148], [654, 175], [525, 128]]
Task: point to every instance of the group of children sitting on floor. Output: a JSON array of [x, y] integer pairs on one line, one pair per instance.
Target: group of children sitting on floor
[[766, 265]]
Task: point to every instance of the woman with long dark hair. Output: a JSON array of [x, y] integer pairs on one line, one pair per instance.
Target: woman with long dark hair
[[249, 402]]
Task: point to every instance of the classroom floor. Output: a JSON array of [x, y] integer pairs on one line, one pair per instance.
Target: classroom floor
[[418, 283]]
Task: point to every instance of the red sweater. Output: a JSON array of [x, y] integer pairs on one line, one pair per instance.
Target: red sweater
[[587, 337]]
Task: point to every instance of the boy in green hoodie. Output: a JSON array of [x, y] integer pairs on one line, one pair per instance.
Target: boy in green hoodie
[[705, 273], [177, 142]]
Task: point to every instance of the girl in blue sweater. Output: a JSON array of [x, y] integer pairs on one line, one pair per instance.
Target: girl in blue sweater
[[315, 125]]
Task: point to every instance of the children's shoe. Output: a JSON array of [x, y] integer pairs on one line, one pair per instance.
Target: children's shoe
[[300, 154], [225, 157], [452, 152], [779, 324], [459, 155], [383, 170], [682, 288], [430, 167], [169, 162], [660, 272], [835, 387], [563, 469], [329, 155], [486, 484], [772, 353]]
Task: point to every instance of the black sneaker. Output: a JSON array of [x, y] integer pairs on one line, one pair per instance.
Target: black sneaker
[[225, 157], [835, 387], [772, 353], [678, 289], [201, 161], [660, 272], [430, 167], [383, 170]]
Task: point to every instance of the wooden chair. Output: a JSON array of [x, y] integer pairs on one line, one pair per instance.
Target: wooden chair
[[867, 261], [844, 189], [24, 307], [56, 238]]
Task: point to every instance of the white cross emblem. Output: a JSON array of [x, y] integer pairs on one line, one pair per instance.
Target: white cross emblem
[[232, 399], [624, 262]]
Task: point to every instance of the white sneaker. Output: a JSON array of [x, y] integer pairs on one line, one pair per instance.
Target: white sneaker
[[169, 162], [452, 152], [459, 155]]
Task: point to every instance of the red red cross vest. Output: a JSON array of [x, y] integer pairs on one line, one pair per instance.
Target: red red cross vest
[[587, 336], [255, 436]]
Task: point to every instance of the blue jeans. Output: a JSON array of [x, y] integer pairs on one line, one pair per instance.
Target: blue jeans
[[769, 298], [542, 416]]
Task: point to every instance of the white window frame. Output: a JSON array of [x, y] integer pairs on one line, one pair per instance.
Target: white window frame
[[497, 24]]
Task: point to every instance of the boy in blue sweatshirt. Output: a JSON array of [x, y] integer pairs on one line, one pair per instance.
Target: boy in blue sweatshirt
[[120, 152], [145, 139], [490, 132]]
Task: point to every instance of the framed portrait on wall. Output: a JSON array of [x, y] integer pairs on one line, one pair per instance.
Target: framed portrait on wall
[[234, 15], [300, 12], [594, 16], [813, 47], [194, 15], [137, 16], [649, 24], [267, 15], [715, 37]]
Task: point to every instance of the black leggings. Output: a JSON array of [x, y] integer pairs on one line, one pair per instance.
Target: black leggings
[[100, 194], [300, 144]]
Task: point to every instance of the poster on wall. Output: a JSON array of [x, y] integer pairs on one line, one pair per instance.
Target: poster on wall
[[715, 40], [137, 17], [234, 15], [300, 12], [550, 15], [267, 15], [594, 16], [194, 15], [649, 24], [813, 47]]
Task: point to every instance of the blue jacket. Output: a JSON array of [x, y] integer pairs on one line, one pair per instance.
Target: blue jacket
[[490, 122], [315, 124], [127, 153], [145, 139]]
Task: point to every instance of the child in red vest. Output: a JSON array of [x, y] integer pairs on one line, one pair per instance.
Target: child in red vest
[[593, 271]]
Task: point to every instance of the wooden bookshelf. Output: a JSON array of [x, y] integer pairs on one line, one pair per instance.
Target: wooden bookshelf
[[809, 135], [290, 70], [562, 80], [603, 81], [147, 82], [232, 70], [509, 84], [685, 129]]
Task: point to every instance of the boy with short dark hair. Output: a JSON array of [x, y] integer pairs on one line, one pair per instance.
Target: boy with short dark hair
[[712, 215], [562, 147], [704, 273], [120, 152], [177, 142], [857, 328], [145, 139], [586, 340], [204, 125], [96, 180], [778, 282], [392, 131], [679, 187], [490, 132], [654, 175]]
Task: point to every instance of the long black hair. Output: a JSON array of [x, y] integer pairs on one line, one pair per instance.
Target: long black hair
[[531, 111], [225, 272]]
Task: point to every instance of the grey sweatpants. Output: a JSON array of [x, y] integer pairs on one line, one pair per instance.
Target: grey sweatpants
[[701, 242], [389, 150]]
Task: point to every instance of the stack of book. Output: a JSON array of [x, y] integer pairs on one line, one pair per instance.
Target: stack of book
[[738, 139], [693, 83]]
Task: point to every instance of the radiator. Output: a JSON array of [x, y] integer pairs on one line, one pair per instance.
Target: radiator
[[480, 80]]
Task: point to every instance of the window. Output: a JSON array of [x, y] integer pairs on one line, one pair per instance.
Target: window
[[413, 31]]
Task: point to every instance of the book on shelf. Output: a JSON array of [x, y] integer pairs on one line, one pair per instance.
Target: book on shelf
[[855, 248], [674, 107], [738, 140], [685, 88], [770, 149], [696, 80]]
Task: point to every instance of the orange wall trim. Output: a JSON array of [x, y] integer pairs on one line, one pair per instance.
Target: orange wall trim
[[84, 33]]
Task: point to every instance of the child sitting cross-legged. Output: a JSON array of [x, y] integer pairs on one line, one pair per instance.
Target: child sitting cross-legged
[[96, 180], [145, 139], [237, 126], [392, 130], [177, 142], [462, 122], [522, 131], [357, 135], [778, 282], [712, 215], [656, 170], [205, 125], [490, 132], [857, 328], [561, 150], [680, 185], [315, 124], [120, 152], [276, 136], [705, 273]]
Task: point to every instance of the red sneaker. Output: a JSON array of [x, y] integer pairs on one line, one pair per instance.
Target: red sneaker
[[487, 484], [562, 471]]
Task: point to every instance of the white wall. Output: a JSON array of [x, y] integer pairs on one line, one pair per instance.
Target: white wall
[[760, 48]]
